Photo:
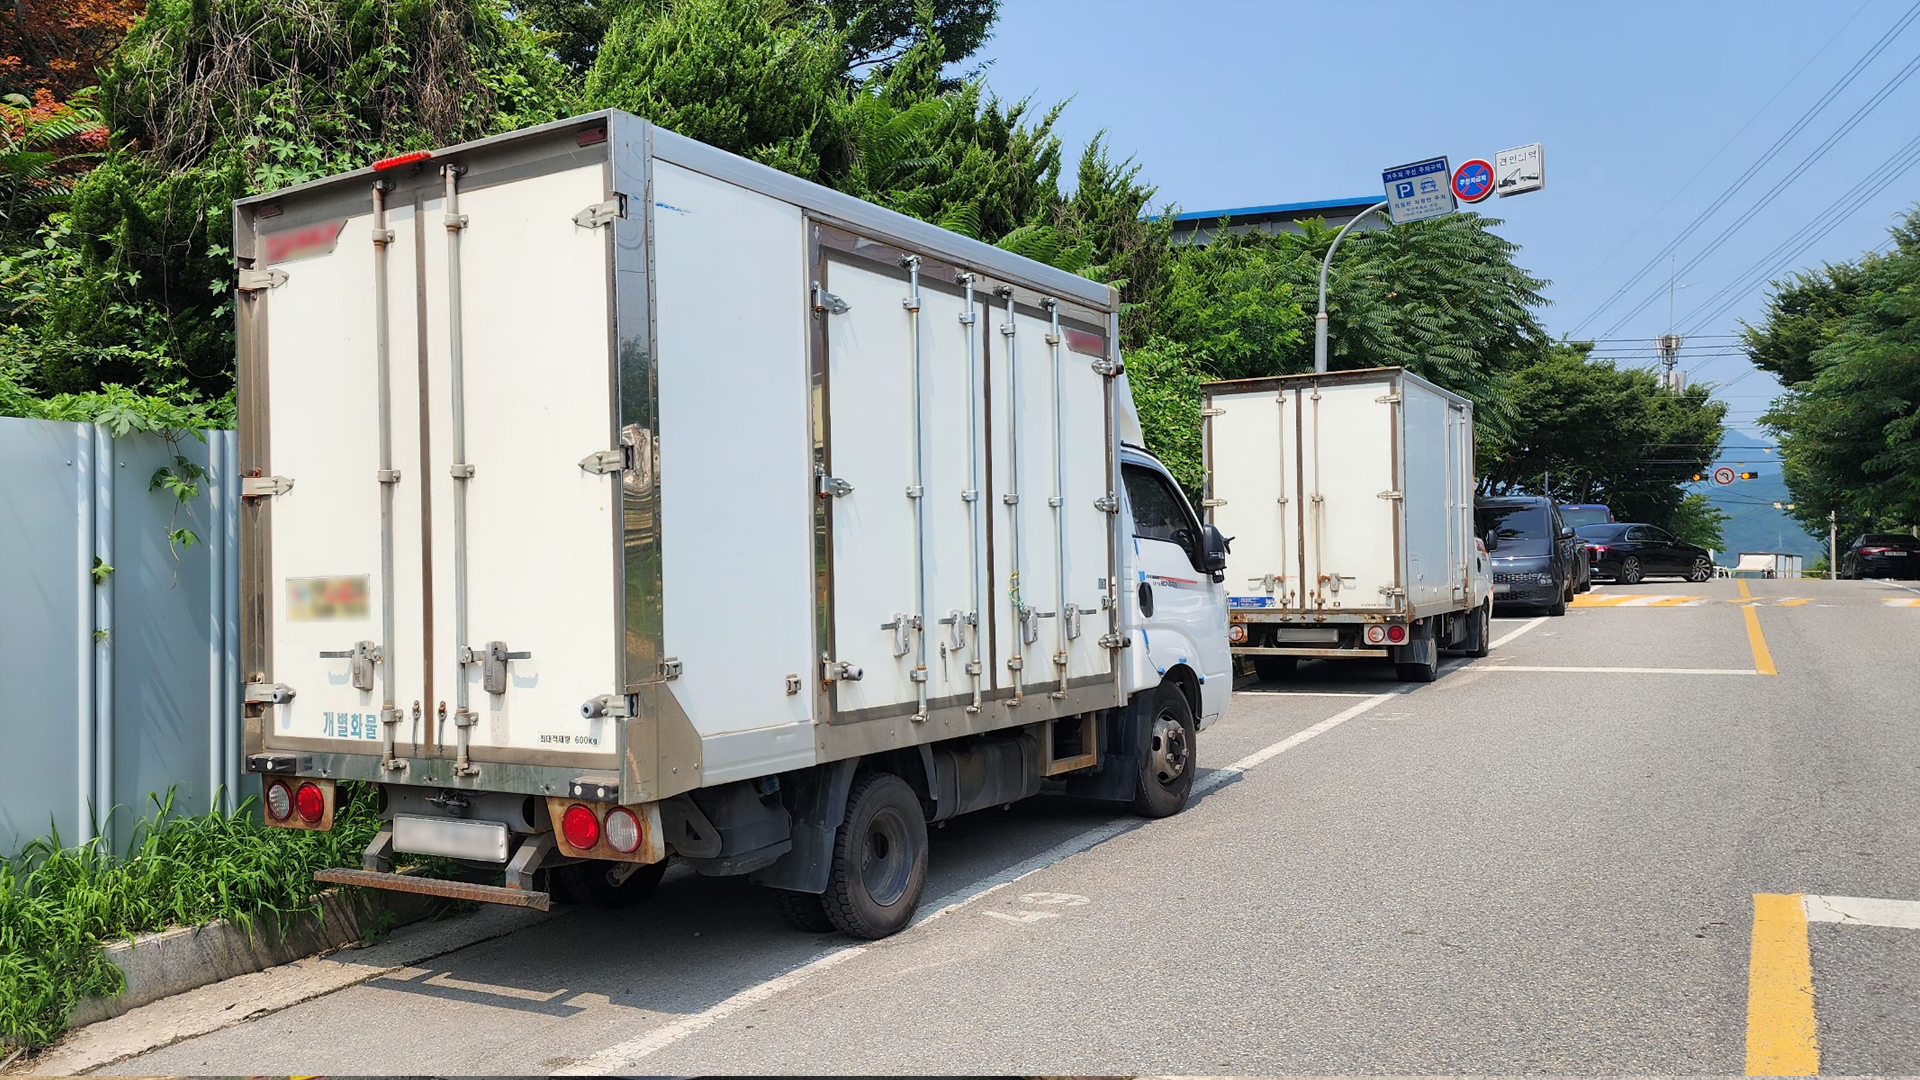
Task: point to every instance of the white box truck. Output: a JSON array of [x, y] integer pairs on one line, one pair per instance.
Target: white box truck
[[611, 498], [1348, 497]]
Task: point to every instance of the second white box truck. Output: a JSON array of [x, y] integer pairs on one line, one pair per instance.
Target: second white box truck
[[610, 498], [1349, 499]]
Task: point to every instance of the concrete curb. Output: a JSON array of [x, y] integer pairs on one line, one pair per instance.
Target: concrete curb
[[175, 961], [223, 1004]]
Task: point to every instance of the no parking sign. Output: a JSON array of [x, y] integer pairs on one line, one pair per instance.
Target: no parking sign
[[1473, 180]]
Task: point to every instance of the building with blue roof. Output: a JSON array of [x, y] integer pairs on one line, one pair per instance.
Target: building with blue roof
[[1199, 226]]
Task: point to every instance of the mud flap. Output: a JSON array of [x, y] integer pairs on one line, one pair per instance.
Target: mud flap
[[818, 805]]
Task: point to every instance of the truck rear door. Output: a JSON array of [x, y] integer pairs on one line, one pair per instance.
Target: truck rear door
[[497, 589], [1253, 492], [1350, 474]]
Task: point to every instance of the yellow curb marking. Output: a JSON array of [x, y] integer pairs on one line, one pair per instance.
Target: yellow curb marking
[[1781, 1035]]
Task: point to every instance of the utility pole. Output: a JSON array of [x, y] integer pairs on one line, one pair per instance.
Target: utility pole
[[1320, 318], [1833, 545]]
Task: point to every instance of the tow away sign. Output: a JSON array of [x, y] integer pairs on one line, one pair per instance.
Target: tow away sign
[[1418, 191], [1520, 170]]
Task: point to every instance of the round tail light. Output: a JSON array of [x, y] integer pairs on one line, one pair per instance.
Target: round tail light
[[279, 801], [1237, 633], [1376, 634], [580, 827], [623, 830], [310, 802], [1397, 634]]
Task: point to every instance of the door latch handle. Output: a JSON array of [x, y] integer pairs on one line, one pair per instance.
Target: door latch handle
[[363, 655]]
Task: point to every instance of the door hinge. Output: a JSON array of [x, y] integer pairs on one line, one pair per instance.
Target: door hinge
[[1115, 641], [832, 486], [255, 280], [1388, 399], [601, 213], [833, 671], [1393, 591], [269, 694], [1107, 504], [602, 462], [612, 705], [1109, 368], [1213, 502], [670, 668], [260, 487], [1213, 412], [829, 303], [1392, 495], [363, 655]]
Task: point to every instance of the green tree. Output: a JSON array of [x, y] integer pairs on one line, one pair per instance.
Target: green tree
[[1583, 430], [1697, 521], [726, 73], [1846, 342], [1165, 380]]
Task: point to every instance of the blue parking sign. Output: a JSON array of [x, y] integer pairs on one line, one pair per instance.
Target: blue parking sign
[[1421, 190]]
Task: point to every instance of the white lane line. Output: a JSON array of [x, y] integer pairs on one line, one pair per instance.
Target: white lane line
[[1516, 632], [1629, 670], [1862, 911], [1897, 585], [620, 1057], [1307, 693]]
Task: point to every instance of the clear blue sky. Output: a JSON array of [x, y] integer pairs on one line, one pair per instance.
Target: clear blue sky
[[1242, 104]]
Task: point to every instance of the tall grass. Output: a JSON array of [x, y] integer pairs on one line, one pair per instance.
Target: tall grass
[[60, 904]]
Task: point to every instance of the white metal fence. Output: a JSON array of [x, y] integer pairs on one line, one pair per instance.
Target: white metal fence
[[119, 648]]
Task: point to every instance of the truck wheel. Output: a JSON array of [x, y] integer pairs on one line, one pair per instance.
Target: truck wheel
[[1271, 668], [589, 884], [1480, 637], [879, 859], [1166, 754], [802, 911]]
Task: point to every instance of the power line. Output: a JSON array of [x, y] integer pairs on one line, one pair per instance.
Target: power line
[[1762, 111], [1779, 144], [1793, 174]]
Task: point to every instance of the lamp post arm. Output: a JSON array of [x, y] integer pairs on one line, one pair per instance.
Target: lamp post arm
[[1320, 316]]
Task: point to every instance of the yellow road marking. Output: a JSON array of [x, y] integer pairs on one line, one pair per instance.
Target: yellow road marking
[[1674, 601], [1596, 600], [1902, 603], [1762, 656], [1742, 582], [1781, 1037], [1796, 601]]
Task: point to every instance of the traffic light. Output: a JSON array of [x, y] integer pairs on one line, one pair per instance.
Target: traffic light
[[1697, 476], [1749, 476]]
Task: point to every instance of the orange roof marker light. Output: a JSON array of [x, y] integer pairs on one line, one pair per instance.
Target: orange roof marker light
[[413, 158]]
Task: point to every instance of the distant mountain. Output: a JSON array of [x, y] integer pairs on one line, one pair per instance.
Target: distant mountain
[[1753, 524]]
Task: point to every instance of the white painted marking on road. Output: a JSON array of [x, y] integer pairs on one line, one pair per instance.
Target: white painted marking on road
[[620, 1057], [1022, 916], [610, 1061], [1059, 899], [1516, 632], [1629, 670], [1897, 585], [1900, 601], [1862, 911], [1307, 693]]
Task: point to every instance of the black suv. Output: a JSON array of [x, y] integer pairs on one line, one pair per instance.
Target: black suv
[[1531, 549]]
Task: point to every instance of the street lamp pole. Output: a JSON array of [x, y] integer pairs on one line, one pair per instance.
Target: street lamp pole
[[1320, 318]]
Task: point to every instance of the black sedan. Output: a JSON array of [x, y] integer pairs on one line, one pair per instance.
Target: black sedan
[[1881, 555], [1630, 553]]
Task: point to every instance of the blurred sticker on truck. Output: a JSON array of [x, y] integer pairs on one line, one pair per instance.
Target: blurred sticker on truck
[[325, 599], [1249, 601]]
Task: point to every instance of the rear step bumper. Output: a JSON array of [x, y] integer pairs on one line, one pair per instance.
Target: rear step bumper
[[457, 890], [1357, 653]]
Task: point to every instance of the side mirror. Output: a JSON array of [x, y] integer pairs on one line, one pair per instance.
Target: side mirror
[[1214, 557], [1566, 532], [1491, 540]]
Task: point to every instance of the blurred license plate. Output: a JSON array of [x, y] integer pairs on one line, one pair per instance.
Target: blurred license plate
[[482, 840], [1499, 589]]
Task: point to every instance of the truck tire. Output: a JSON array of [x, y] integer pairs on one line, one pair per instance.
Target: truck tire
[[1480, 632], [879, 866], [1272, 668], [587, 883], [802, 911], [1167, 754]]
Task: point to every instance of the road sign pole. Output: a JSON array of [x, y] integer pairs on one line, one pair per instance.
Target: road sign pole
[[1326, 264]]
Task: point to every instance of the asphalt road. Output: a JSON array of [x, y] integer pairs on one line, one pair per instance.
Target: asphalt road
[[1538, 863]]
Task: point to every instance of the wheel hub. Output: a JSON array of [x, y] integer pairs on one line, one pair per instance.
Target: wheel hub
[[1168, 752], [884, 869]]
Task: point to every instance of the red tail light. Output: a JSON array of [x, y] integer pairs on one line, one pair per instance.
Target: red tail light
[[1596, 548], [1874, 550], [580, 827], [1397, 635], [403, 159], [310, 802]]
